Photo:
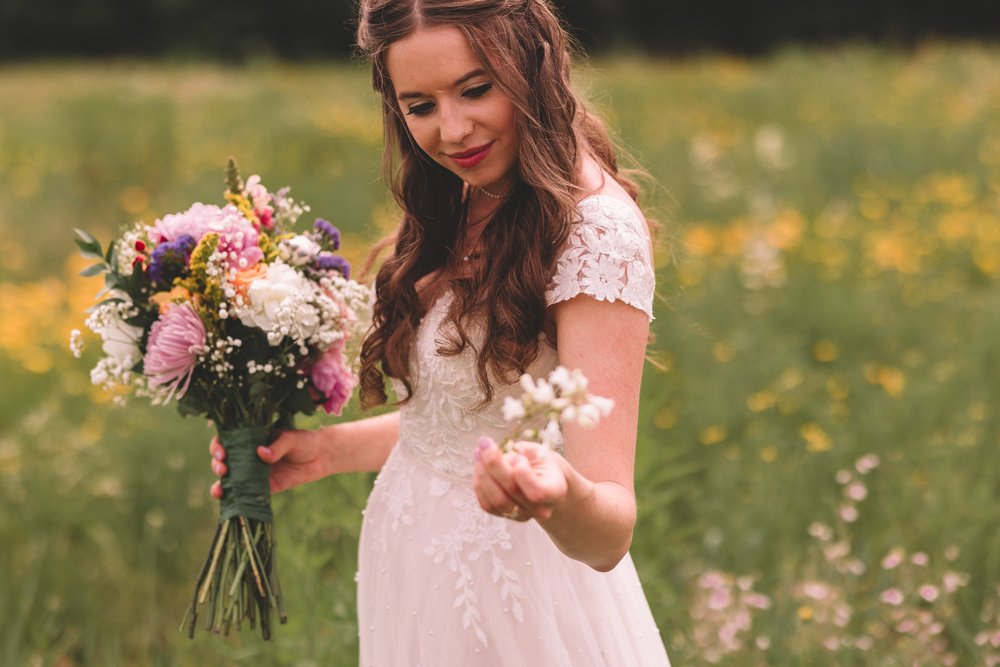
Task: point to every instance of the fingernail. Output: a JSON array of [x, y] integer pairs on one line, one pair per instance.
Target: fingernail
[[218, 455], [484, 443], [267, 452]]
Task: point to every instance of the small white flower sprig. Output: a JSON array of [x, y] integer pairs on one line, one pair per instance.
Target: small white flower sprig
[[546, 404]]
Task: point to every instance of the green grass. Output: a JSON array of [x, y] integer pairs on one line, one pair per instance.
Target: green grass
[[829, 267]]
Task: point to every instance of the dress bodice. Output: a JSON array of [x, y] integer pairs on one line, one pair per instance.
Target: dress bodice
[[607, 256]]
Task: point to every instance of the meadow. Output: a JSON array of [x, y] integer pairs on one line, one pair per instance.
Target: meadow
[[819, 455]]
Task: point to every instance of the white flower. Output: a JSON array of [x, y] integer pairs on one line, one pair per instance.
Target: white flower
[[299, 250], [588, 415], [551, 435], [603, 405], [513, 409], [281, 304], [543, 394], [76, 343]]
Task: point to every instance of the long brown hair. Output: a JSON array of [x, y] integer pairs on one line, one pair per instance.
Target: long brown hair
[[526, 51]]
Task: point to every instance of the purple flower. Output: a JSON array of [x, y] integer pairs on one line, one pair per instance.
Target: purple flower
[[324, 228], [333, 379], [170, 259], [175, 341], [328, 262]]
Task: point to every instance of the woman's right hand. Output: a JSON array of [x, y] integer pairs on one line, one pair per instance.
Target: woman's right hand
[[295, 458]]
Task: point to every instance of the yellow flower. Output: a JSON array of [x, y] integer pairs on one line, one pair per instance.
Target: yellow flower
[[817, 440], [712, 435], [825, 351]]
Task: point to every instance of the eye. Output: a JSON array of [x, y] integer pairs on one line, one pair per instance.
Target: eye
[[421, 109], [478, 91]]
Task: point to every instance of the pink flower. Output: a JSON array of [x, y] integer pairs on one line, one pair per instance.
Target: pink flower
[[333, 379], [238, 239], [892, 596], [175, 341], [194, 222]]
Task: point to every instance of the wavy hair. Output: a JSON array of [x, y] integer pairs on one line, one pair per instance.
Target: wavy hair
[[526, 51]]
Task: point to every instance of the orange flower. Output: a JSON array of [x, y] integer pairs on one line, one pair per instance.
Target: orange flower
[[167, 300], [243, 278]]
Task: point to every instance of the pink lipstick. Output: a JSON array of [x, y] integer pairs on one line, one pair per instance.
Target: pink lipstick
[[470, 158]]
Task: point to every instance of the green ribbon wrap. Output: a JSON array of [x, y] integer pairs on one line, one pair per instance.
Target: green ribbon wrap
[[246, 486]]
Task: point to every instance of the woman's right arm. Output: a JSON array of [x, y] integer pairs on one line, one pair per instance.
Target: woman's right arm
[[298, 456]]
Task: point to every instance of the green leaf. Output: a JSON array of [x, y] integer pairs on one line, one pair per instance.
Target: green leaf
[[300, 401], [193, 402], [94, 270], [88, 245]]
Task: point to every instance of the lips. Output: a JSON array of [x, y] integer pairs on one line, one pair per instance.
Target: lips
[[472, 157]]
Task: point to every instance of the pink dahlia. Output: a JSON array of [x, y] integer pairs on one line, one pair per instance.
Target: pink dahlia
[[333, 379], [175, 341]]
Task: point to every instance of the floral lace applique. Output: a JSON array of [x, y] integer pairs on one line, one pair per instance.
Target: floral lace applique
[[607, 257], [397, 496], [477, 535]]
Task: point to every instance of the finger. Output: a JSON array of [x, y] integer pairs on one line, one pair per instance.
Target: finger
[[492, 497], [277, 450], [216, 490], [219, 468], [216, 449]]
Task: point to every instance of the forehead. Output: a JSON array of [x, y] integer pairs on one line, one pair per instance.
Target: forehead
[[430, 59]]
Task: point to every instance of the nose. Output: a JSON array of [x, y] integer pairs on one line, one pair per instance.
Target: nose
[[455, 125]]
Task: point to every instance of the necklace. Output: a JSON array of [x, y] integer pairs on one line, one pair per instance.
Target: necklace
[[492, 195]]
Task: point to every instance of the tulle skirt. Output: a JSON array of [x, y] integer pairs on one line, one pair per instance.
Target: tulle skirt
[[443, 584]]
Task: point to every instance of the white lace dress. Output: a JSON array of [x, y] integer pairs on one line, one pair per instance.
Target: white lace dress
[[441, 583]]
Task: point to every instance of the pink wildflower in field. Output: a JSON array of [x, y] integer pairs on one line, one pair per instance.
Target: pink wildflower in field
[[930, 592], [175, 342], [892, 596]]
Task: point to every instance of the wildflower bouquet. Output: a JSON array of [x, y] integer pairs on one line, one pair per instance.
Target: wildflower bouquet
[[231, 315]]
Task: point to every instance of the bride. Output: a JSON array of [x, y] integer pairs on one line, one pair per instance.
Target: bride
[[520, 247]]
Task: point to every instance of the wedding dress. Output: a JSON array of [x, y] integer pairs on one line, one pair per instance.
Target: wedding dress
[[441, 583]]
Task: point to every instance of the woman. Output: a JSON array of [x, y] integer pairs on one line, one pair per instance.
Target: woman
[[521, 247]]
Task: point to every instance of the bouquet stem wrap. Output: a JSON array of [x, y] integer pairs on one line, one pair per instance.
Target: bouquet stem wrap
[[239, 580], [246, 487]]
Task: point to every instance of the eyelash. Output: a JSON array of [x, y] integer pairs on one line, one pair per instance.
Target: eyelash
[[472, 93]]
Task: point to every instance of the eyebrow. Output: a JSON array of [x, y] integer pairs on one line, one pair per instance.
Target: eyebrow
[[471, 75]]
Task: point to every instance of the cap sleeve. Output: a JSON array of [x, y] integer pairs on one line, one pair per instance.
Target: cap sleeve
[[607, 257]]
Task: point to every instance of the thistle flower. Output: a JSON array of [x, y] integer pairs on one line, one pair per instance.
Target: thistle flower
[[175, 342]]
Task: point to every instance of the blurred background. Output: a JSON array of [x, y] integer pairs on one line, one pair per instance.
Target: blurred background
[[819, 459]]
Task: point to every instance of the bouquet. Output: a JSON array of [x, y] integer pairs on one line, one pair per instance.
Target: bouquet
[[229, 314]]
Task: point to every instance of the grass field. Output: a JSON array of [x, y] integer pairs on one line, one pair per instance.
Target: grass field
[[819, 459]]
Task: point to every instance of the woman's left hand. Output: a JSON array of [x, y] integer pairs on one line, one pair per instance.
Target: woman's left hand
[[526, 483]]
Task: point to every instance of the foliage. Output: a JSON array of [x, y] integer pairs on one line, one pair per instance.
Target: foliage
[[834, 220]]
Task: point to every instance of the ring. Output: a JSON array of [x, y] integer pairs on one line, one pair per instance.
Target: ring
[[514, 514]]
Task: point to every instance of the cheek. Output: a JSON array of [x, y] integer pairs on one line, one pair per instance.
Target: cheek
[[422, 135]]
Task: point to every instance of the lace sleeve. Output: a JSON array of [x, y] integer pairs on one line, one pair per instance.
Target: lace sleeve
[[606, 257]]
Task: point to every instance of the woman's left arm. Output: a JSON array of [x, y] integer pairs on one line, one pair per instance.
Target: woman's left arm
[[585, 499]]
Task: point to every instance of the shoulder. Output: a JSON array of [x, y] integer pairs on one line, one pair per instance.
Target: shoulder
[[607, 254]]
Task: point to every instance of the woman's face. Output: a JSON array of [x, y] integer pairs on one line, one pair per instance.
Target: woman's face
[[453, 109]]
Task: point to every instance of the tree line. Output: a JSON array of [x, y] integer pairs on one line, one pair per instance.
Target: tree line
[[311, 29]]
